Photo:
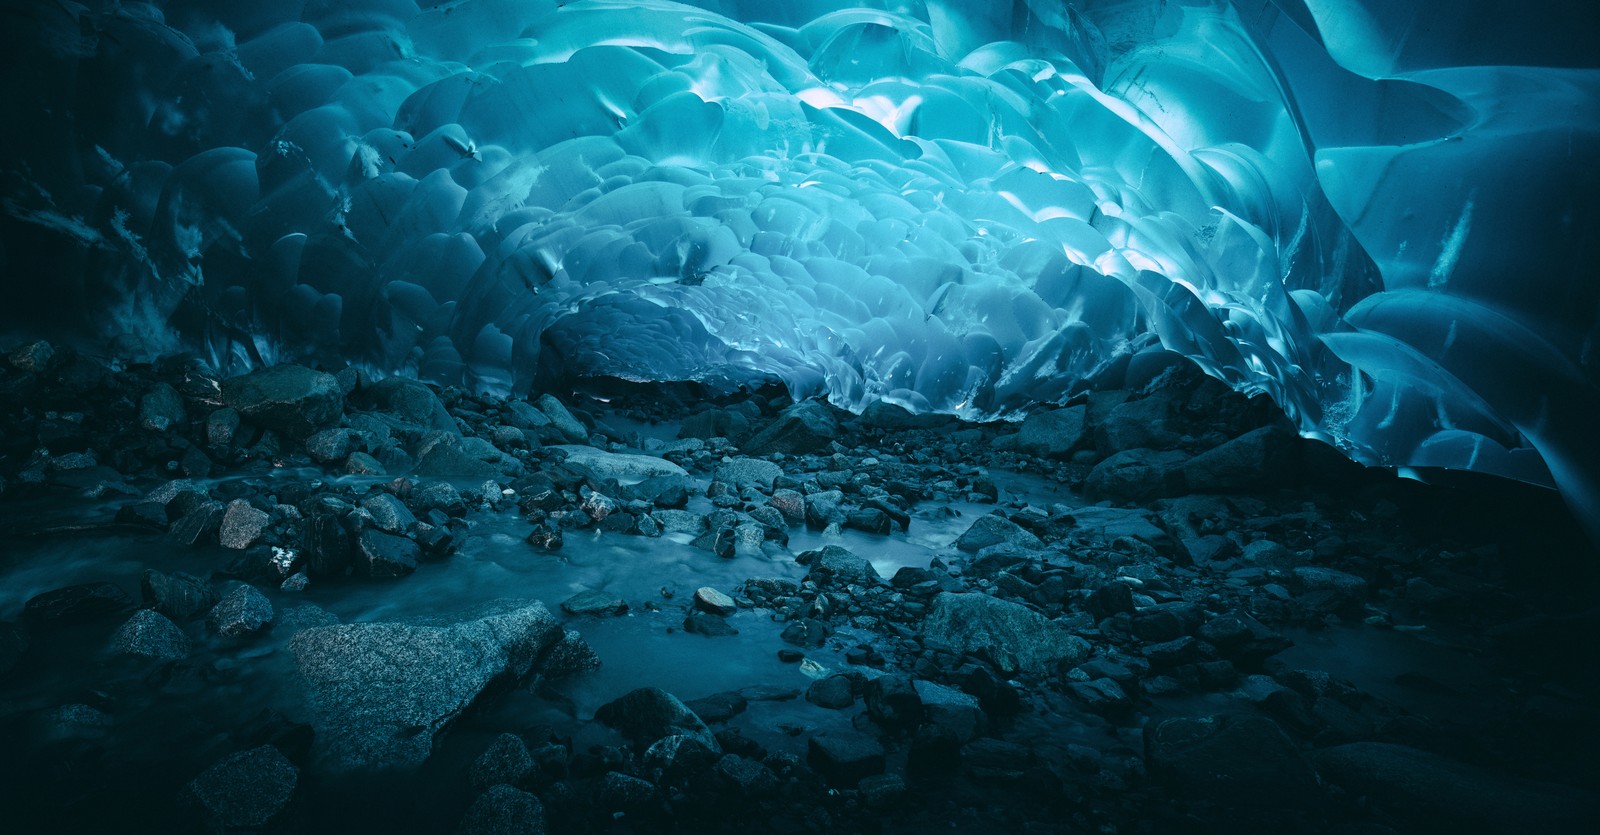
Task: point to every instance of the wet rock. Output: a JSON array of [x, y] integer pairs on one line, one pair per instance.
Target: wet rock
[[505, 761], [708, 599], [709, 625], [993, 529], [1261, 458], [246, 790], [199, 524], [1102, 695], [360, 463], [503, 810], [603, 466], [868, 519], [1332, 590], [222, 426], [843, 759], [835, 692], [570, 427], [745, 776], [521, 415], [380, 554], [177, 595], [33, 357], [1433, 793], [150, 636], [1011, 634], [949, 711], [893, 703], [161, 408], [330, 446], [747, 472], [1136, 475], [649, 713], [1053, 434], [389, 514], [13, 645], [241, 613], [286, 398], [805, 427], [241, 525], [379, 692], [806, 632], [625, 793], [594, 602], [719, 707], [824, 508], [673, 760], [841, 566], [408, 400], [1235, 760], [329, 545], [76, 604]]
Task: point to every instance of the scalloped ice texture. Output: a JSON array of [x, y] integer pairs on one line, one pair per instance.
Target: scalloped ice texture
[[1378, 214]]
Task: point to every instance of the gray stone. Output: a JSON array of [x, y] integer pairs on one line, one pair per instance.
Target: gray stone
[[1053, 434], [708, 599], [389, 513], [570, 427], [1243, 760], [151, 636], [749, 777], [747, 472], [286, 398], [330, 446], [804, 427], [380, 554], [221, 427], [503, 810], [844, 759], [623, 467], [836, 564], [1136, 475], [410, 401], [161, 408], [1261, 458], [649, 713], [242, 612], [505, 761], [246, 790], [379, 692], [1009, 633], [360, 463], [834, 692], [992, 529], [520, 415], [177, 595], [241, 525], [594, 602], [955, 713]]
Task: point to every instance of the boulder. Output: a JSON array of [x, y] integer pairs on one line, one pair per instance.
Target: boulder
[[625, 468], [76, 604], [505, 761], [1009, 633], [1261, 458], [708, 599], [838, 565], [649, 713], [994, 529], [389, 514], [241, 525], [569, 426], [747, 472], [1136, 475], [150, 636], [291, 399], [161, 408], [243, 612], [844, 759], [410, 401], [1242, 760], [1053, 434], [246, 790], [503, 810], [805, 427], [380, 554], [594, 602], [379, 692], [177, 595]]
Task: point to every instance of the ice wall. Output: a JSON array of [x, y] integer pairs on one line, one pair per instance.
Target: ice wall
[[1380, 214]]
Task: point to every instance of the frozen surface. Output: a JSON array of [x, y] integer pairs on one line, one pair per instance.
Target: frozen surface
[[1382, 215]]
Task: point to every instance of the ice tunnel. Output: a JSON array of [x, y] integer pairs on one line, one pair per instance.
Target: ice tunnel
[[1381, 215]]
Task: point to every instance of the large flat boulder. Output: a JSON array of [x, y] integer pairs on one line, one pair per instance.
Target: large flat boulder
[[805, 427], [1009, 633], [291, 399], [380, 692], [625, 468], [1054, 434]]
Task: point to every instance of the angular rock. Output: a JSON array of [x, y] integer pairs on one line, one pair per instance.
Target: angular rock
[[746, 776], [408, 400], [809, 426], [835, 564], [951, 712], [150, 636], [389, 514], [1261, 458], [893, 703], [834, 692], [161, 408], [503, 810], [177, 595], [747, 472], [844, 759], [1136, 475], [569, 426], [623, 467], [649, 713], [246, 790], [1010, 633], [380, 554], [709, 625], [1053, 434], [241, 525], [505, 761], [330, 446], [241, 613], [992, 529], [286, 398], [380, 692]]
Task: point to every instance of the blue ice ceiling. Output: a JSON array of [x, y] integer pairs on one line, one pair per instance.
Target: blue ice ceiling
[[1381, 214]]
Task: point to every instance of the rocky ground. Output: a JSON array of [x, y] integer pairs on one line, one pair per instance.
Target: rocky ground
[[1153, 610]]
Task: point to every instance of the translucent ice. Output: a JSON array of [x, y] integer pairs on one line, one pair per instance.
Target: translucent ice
[[1380, 214]]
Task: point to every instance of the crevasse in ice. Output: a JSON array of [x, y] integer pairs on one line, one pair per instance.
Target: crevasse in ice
[[1380, 214]]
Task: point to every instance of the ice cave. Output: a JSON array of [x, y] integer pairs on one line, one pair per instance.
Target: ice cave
[[799, 416]]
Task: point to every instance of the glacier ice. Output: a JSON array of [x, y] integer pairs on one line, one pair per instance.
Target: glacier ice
[[1380, 214]]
